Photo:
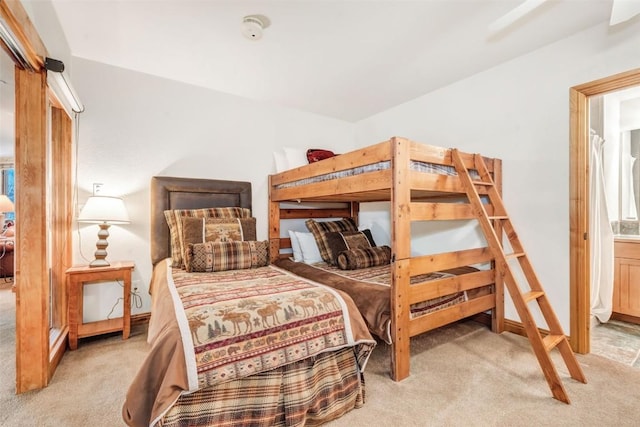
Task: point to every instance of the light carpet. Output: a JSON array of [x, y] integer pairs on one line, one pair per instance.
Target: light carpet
[[461, 375]]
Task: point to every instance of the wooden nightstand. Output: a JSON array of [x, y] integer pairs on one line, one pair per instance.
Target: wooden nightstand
[[77, 277]]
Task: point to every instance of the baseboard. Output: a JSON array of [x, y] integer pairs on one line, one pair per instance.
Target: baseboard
[[140, 319], [625, 318], [484, 318], [516, 327]]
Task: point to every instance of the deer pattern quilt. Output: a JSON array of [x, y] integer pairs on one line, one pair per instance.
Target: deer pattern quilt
[[241, 322]]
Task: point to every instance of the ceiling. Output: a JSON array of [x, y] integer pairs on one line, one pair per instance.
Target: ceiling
[[346, 59]]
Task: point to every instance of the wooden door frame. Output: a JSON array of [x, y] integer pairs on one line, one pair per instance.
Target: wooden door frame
[[579, 253], [36, 354]]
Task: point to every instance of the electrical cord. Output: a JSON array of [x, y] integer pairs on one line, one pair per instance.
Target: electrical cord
[[75, 186], [136, 300]]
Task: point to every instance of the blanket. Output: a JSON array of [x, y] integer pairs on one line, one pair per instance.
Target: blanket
[[208, 328], [370, 290]]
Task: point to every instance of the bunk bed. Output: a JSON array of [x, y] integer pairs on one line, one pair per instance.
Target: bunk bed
[[421, 184], [243, 345]]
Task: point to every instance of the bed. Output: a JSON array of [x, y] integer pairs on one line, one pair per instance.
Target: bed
[[248, 344], [421, 184]]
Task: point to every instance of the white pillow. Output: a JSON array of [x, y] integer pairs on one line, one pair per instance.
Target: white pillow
[[281, 161], [309, 247], [295, 246], [295, 157]]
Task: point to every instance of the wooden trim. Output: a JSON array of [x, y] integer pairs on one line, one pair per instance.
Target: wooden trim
[[60, 216], [625, 318], [37, 353], [140, 319], [31, 275], [579, 256], [579, 220], [57, 348], [17, 19], [517, 328]]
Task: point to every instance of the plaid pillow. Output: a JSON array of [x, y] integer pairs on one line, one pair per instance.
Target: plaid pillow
[[347, 240], [320, 230], [220, 256], [174, 221], [362, 258]]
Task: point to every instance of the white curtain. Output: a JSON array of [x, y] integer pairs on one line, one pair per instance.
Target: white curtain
[[601, 236]]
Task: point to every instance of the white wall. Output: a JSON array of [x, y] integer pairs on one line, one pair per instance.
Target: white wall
[[519, 112], [136, 126]]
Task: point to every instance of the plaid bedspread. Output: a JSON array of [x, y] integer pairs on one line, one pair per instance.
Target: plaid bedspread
[[211, 329], [241, 322], [307, 393]]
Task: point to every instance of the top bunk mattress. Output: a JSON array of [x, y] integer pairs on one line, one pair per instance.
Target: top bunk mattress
[[368, 174]]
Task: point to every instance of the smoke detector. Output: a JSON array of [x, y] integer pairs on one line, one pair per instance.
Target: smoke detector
[[252, 26]]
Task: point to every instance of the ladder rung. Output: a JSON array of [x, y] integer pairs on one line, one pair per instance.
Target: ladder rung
[[473, 186], [531, 295], [515, 255], [551, 341]]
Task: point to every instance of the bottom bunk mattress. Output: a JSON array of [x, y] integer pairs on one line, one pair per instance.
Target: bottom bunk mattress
[[370, 290], [257, 347]]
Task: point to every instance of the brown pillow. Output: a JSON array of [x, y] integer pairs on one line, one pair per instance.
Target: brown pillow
[[174, 221], [319, 229], [200, 230], [346, 240], [220, 256], [363, 258]]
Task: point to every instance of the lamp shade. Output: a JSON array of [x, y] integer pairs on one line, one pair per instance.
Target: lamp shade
[[104, 209], [6, 205]]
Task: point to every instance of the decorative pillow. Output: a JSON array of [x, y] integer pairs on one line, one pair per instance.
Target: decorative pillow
[[308, 247], [347, 240], [362, 258], [320, 230], [200, 230], [174, 221], [220, 256], [317, 154]]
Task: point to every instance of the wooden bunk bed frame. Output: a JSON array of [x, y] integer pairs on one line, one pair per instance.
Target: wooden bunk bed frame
[[414, 196]]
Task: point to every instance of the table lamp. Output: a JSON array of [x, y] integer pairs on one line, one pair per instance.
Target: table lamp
[[103, 210], [6, 205]]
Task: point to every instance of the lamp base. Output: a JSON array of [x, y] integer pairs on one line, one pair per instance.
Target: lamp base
[[101, 245], [99, 263]]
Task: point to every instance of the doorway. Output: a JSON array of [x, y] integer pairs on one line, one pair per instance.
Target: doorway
[[579, 253]]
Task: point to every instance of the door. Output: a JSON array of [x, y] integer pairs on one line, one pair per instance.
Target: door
[[579, 200]]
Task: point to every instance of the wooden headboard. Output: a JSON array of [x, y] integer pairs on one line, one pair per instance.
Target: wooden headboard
[[169, 193]]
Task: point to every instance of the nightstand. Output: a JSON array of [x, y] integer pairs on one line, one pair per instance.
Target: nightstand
[[77, 278]]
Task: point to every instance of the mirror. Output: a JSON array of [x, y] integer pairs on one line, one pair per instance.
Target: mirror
[[7, 131], [621, 129], [630, 175]]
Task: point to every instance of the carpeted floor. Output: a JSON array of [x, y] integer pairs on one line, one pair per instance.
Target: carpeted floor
[[461, 375]]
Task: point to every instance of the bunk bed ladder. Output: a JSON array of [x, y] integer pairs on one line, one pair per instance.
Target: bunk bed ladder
[[542, 346]]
